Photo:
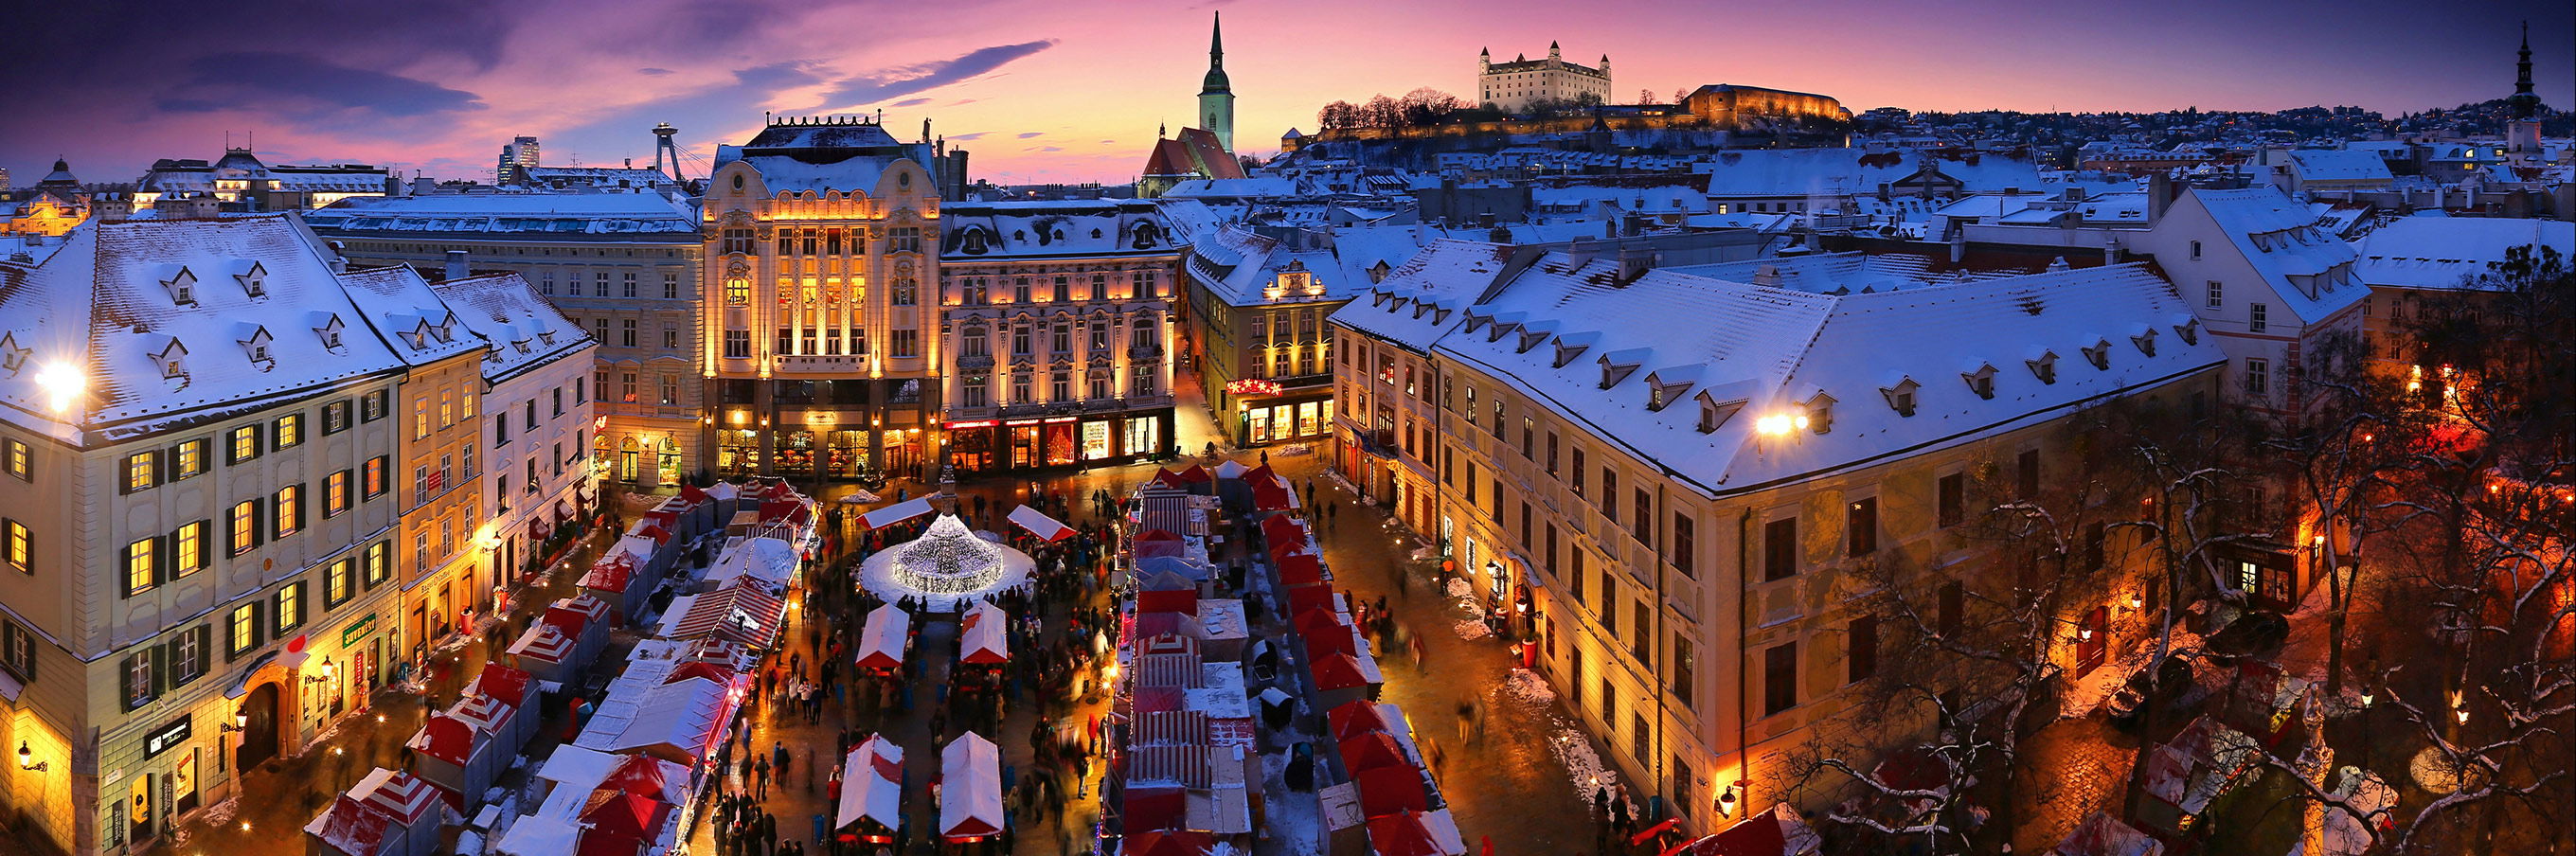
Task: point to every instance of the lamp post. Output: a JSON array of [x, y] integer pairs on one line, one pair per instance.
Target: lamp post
[[27, 760]]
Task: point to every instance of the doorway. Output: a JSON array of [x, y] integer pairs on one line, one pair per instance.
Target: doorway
[[138, 809], [259, 732]]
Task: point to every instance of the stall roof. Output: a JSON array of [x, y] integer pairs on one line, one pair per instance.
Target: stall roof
[[881, 641], [970, 796], [872, 784], [897, 513], [1046, 528]]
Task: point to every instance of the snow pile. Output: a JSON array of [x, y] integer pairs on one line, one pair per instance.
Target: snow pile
[[1583, 767], [1461, 590], [1471, 628], [1526, 687]]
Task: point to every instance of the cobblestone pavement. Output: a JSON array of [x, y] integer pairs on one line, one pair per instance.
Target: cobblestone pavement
[[2069, 768]]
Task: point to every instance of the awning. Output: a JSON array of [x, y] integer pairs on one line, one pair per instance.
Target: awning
[[1391, 790], [881, 641], [897, 513], [970, 793], [985, 638], [1038, 524], [739, 613], [872, 784]]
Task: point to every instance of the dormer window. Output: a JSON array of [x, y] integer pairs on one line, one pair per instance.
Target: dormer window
[[1500, 329], [330, 333], [1820, 412], [173, 360], [2098, 353], [1566, 353], [1530, 339], [1901, 396], [2044, 366], [257, 348], [2146, 341], [520, 344], [254, 280], [2189, 330], [182, 286], [1981, 381], [13, 357], [446, 329], [1661, 393], [1713, 415], [1475, 321], [548, 336], [1612, 372], [418, 336]]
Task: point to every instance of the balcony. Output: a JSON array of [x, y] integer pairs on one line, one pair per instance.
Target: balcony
[[1146, 351], [975, 362], [850, 364]]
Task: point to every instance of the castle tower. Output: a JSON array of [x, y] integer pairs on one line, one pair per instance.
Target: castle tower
[[1216, 94], [664, 150], [1555, 54]]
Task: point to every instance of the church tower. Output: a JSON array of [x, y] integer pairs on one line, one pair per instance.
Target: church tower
[[1216, 95], [2522, 131]]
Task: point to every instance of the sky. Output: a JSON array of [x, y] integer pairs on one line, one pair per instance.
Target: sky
[[1067, 90]]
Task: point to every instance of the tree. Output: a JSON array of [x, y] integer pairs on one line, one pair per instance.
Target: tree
[[1381, 112], [1981, 643], [1646, 98], [1338, 116]]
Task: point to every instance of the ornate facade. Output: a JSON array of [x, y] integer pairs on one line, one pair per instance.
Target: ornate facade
[[1059, 323], [822, 274]]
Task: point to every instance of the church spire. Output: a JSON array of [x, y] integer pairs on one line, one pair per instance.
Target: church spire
[[1216, 82], [1216, 41], [2525, 103]]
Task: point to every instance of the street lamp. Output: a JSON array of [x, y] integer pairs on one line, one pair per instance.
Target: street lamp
[[27, 759]]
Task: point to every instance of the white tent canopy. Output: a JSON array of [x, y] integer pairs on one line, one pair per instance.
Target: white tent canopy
[[1039, 524], [866, 789], [1231, 469], [881, 641], [970, 801], [898, 512], [769, 560], [984, 629]]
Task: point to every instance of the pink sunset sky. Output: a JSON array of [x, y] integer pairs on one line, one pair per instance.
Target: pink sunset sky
[[1048, 90]]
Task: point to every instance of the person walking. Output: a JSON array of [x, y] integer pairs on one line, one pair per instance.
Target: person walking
[[761, 778]]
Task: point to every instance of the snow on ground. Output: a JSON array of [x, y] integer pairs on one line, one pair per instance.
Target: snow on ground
[[1526, 687], [469, 844], [2091, 691], [1583, 768], [1471, 628], [214, 817], [1292, 822]]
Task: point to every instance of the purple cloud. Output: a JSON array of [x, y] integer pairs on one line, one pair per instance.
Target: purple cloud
[[656, 72], [906, 80], [1032, 135], [910, 102], [226, 80]]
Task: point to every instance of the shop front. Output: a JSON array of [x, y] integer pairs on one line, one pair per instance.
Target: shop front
[[1053, 442], [1262, 417]]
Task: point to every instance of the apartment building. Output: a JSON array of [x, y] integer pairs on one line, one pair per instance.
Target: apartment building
[[198, 517], [538, 480], [822, 268], [1058, 319], [447, 579], [624, 267], [1256, 309], [1686, 518]]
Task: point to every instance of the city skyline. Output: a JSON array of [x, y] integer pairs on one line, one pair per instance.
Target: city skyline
[[1064, 93]]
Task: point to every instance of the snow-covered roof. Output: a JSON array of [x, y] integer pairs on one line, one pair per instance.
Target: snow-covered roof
[[1422, 299], [109, 304], [2303, 261], [1831, 273], [2340, 165], [2441, 252], [422, 328], [1839, 172], [552, 216], [1004, 231], [523, 330], [1838, 359]]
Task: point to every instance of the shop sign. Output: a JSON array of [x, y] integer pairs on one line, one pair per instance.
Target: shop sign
[[1057, 419], [1252, 386], [822, 417], [1019, 422], [170, 735], [362, 628], [983, 424]]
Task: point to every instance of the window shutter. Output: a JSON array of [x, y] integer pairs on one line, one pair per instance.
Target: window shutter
[[258, 513], [303, 604], [124, 578], [302, 505], [160, 668], [164, 565], [258, 631], [126, 690], [205, 649], [124, 475]]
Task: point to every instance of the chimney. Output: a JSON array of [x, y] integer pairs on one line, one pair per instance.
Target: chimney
[[1883, 188], [1633, 261], [2159, 195], [2111, 250], [1958, 247], [339, 258], [1578, 252], [455, 265], [1767, 277]]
